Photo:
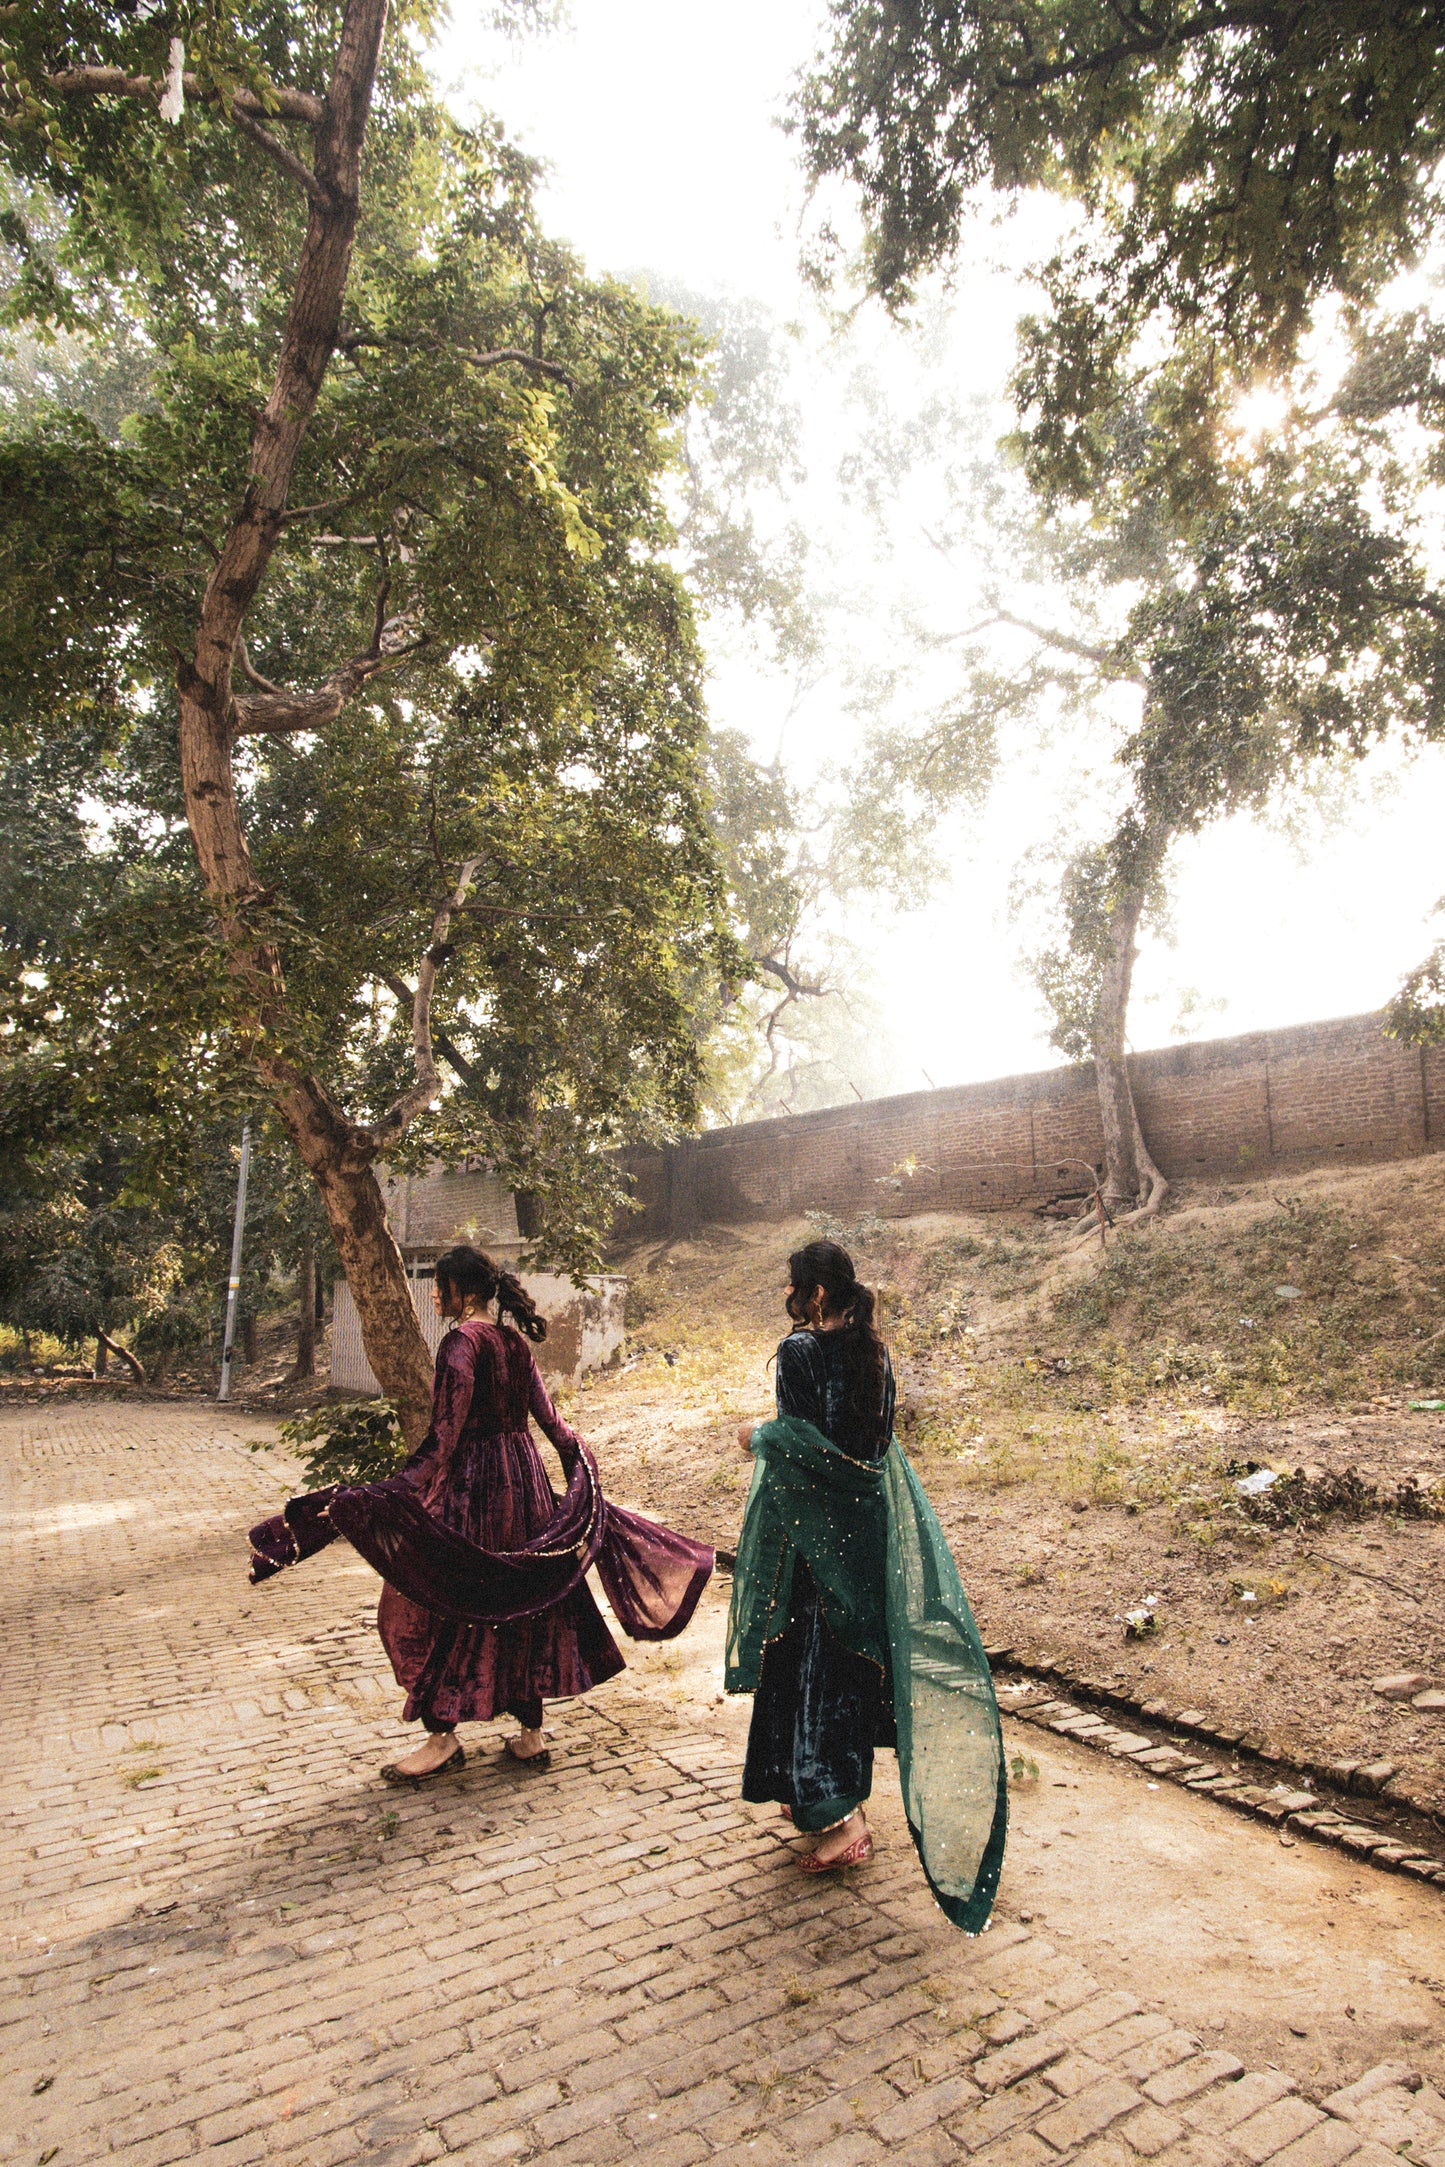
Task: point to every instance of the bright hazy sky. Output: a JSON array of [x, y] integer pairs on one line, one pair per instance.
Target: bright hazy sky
[[657, 120]]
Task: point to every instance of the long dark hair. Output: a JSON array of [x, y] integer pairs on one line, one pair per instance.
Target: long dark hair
[[824, 1266], [465, 1270]]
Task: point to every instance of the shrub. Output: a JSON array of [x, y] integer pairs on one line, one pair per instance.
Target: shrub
[[355, 1441]]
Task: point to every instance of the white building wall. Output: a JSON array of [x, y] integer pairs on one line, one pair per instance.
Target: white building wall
[[585, 1326]]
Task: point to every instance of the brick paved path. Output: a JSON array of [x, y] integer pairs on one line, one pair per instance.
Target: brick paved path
[[230, 1944]]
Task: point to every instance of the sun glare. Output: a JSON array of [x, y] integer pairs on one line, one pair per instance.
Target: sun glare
[[1259, 412]]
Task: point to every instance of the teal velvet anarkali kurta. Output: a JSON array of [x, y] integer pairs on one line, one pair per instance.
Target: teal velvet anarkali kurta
[[887, 1592]]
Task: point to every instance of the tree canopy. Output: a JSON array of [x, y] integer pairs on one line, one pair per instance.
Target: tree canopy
[[349, 659], [1243, 159]]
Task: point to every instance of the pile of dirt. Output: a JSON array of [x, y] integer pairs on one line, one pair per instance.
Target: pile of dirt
[[1083, 1422]]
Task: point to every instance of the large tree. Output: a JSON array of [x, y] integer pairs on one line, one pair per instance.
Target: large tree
[[1248, 176], [1185, 659], [364, 618]]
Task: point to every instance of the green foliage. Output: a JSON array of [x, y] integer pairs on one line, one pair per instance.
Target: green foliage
[[1241, 162], [1417, 1012], [351, 1441], [131, 1233], [741, 461], [1244, 179], [501, 530]]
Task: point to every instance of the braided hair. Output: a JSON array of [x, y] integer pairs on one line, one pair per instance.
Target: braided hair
[[823, 1266], [464, 1270]]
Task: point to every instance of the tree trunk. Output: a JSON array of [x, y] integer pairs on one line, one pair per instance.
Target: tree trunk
[[1132, 1187], [1111, 1067], [306, 1312], [338, 1160], [105, 1345], [337, 1152]]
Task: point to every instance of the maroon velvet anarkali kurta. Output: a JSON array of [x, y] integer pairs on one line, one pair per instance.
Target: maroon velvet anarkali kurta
[[485, 1604], [480, 1473]]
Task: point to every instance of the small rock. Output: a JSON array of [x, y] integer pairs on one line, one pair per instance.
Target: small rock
[[1189, 1719], [1403, 1685], [1371, 1780], [1288, 1294], [1429, 1704]]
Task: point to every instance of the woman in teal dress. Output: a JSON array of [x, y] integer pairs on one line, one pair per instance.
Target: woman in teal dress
[[849, 1624]]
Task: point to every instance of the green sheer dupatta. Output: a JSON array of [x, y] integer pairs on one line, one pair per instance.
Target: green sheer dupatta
[[890, 1591]]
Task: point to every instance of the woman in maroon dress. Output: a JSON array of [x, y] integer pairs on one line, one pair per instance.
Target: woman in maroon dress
[[479, 1473]]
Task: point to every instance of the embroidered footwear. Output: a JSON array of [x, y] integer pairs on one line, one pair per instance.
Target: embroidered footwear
[[406, 1781], [858, 1853]]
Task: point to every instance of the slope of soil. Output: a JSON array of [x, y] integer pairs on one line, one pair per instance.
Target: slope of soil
[[1082, 1420]]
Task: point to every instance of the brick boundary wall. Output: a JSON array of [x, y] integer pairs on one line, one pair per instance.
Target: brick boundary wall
[[1314, 1094]]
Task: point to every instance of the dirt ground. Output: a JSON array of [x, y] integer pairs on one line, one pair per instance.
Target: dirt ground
[[1082, 1423]]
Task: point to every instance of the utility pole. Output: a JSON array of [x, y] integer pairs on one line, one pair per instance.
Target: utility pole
[[233, 1284]]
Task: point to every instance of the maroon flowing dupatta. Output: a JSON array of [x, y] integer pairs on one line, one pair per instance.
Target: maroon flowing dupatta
[[652, 1576]]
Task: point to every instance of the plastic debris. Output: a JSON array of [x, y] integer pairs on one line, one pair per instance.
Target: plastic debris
[[1427, 1407], [1256, 1484], [173, 103]]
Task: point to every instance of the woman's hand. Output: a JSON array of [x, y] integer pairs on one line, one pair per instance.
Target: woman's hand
[[745, 1436]]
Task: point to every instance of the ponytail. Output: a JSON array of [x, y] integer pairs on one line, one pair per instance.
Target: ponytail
[[824, 1267], [513, 1300], [464, 1270]]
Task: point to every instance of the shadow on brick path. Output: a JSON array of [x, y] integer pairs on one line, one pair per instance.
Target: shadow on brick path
[[229, 1942]]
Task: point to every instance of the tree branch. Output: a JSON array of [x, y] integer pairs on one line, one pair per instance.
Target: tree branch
[[1065, 643], [524, 360], [1145, 45], [114, 1346], [797, 987], [275, 712], [252, 675], [423, 1092], [114, 82], [284, 156], [446, 1047]]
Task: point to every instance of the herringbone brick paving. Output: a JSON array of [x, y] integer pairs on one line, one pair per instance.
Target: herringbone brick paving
[[230, 1944]]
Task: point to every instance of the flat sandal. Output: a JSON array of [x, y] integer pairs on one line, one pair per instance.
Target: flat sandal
[[405, 1780], [527, 1760], [858, 1853]]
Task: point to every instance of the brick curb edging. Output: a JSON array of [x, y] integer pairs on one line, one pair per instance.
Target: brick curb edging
[[1285, 1804]]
